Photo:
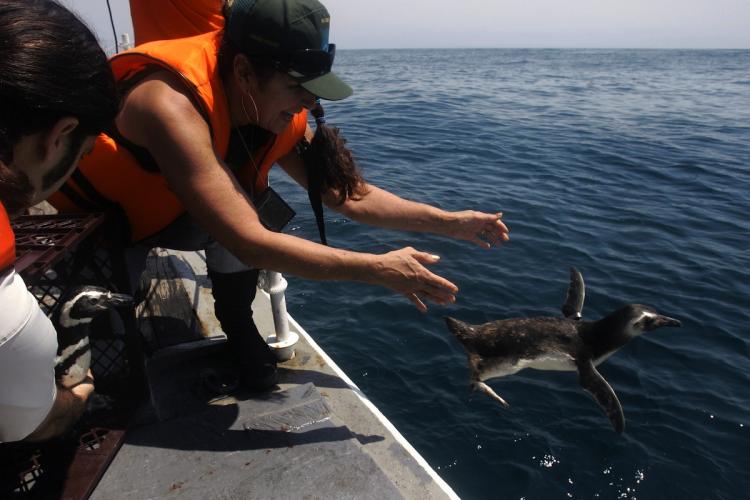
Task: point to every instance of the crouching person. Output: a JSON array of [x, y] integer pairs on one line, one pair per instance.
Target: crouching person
[[57, 93]]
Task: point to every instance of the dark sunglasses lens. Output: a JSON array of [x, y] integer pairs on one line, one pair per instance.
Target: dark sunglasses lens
[[312, 62]]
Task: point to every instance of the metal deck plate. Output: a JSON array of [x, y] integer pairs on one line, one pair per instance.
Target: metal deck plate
[[284, 444]]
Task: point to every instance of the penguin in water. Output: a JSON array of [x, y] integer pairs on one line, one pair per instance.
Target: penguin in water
[[72, 318], [504, 347]]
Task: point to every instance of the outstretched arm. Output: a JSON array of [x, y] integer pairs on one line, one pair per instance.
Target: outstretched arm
[[378, 207], [381, 208], [158, 116]]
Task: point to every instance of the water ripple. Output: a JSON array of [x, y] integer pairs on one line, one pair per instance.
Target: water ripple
[[632, 166]]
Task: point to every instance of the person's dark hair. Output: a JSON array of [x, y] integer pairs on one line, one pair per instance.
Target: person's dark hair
[[264, 70], [329, 160], [51, 66]]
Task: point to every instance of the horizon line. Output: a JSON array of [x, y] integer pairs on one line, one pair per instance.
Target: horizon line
[[519, 47]]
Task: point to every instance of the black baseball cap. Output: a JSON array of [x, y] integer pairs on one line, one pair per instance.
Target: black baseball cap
[[293, 36]]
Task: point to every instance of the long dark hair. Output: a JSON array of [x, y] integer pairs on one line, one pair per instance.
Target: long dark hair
[[330, 164], [51, 66]]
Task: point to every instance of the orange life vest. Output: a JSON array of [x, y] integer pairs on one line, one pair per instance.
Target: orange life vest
[[169, 19], [112, 174], [7, 241]]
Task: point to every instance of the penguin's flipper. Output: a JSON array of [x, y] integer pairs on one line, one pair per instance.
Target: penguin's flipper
[[482, 387], [592, 381], [575, 296]]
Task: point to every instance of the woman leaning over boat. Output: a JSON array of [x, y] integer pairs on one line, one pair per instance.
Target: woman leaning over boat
[[203, 120]]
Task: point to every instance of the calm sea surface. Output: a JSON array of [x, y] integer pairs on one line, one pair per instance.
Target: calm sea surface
[[633, 166]]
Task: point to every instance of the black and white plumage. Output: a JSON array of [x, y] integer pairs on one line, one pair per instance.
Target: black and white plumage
[[72, 318], [504, 347]]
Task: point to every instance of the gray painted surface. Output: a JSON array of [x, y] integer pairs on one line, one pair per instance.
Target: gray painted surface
[[311, 437], [281, 445]]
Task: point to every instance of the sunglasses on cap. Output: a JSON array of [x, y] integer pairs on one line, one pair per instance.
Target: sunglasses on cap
[[304, 63]]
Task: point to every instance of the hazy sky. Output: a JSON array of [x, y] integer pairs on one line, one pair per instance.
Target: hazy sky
[[508, 23]]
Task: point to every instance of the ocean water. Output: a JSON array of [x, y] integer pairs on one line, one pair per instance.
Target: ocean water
[[633, 166]]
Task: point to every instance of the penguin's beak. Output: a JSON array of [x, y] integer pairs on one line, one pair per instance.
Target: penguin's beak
[[119, 299], [660, 321]]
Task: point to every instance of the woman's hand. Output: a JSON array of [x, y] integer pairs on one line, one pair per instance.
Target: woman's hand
[[404, 271], [484, 230]]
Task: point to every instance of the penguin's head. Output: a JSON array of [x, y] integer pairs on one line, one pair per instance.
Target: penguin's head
[[640, 319], [82, 304]]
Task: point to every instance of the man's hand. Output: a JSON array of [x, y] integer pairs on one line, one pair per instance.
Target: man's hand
[[83, 389], [66, 410]]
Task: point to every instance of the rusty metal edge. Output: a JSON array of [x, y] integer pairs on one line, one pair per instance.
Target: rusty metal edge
[[32, 270], [80, 482]]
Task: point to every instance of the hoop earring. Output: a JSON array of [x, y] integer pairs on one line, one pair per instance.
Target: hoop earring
[[255, 107]]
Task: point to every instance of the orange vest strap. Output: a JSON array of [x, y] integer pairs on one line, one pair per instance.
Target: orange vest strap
[[7, 241]]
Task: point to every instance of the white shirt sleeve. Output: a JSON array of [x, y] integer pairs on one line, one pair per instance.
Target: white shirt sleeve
[[28, 345]]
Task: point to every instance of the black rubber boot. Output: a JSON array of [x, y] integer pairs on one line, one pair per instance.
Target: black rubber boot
[[233, 295]]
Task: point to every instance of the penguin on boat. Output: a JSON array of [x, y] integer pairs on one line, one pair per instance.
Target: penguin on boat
[[504, 347], [72, 318]]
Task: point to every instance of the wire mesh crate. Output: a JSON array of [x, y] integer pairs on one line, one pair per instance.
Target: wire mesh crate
[[56, 252]]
